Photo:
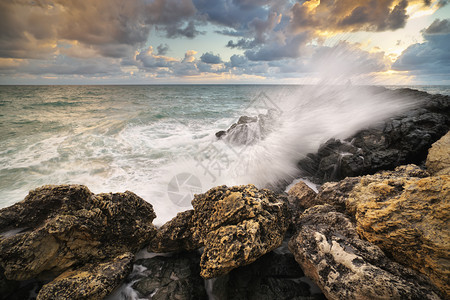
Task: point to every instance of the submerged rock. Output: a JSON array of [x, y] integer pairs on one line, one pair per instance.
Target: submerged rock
[[175, 277], [330, 252], [66, 226], [438, 159], [237, 225], [92, 281], [400, 140]]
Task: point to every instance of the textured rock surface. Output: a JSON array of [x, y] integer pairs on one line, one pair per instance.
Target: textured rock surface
[[331, 253], [408, 218], [175, 277], [302, 196], [66, 226], [272, 276], [438, 159], [400, 140], [175, 235], [237, 225], [90, 281]]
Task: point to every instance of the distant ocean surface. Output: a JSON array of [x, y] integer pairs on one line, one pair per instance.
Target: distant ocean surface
[[159, 141]]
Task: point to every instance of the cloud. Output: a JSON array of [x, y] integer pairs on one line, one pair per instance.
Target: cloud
[[162, 49], [210, 58], [430, 58]]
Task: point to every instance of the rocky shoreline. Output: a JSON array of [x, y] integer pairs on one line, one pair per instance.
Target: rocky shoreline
[[378, 228]]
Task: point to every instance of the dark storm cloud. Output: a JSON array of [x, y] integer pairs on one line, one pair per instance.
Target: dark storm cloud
[[162, 49], [368, 15], [210, 58], [431, 57]]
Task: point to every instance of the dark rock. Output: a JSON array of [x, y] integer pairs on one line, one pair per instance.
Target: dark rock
[[237, 225], [175, 235], [66, 226], [94, 281], [330, 252], [175, 277], [400, 140], [273, 276]]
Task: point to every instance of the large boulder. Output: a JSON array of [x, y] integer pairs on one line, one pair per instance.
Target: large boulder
[[438, 159], [330, 252], [402, 139], [60, 227], [237, 225], [405, 212], [92, 281]]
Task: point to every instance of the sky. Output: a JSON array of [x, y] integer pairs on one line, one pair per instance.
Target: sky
[[224, 41]]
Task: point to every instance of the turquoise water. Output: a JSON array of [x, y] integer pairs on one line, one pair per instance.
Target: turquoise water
[[157, 140]]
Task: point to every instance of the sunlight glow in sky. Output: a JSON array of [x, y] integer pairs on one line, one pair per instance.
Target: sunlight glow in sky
[[223, 41]]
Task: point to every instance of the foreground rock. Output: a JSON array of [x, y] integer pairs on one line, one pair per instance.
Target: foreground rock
[[330, 252], [90, 281], [57, 228], [404, 212], [400, 140], [175, 277], [438, 159], [235, 225]]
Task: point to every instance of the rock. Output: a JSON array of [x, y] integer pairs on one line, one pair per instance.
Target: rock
[[249, 130], [175, 235], [272, 276], [175, 277], [330, 252], [94, 281], [237, 225], [302, 196], [438, 160], [400, 140], [65, 226], [408, 218]]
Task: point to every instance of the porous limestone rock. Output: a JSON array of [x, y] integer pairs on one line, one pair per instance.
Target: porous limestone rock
[[302, 196], [58, 227], [438, 159], [237, 225], [92, 281], [408, 218], [175, 235], [330, 252]]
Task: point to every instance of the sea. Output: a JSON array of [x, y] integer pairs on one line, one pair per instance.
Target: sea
[[159, 141]]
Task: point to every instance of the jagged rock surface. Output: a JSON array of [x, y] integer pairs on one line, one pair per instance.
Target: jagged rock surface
[[175, 277], [400, 140], [67, 226], [302, 196], [237, 225], [438, 159], [331, 253], [175, 235], [94, 281]]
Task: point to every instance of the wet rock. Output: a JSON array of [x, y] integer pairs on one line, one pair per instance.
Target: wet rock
[[94, 281], [249, 130], [175, 277], [65, 226], [438, 159], [237, 225], [330, 252], [175, 235], [302, 196], [400, 140], [273, 276]]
